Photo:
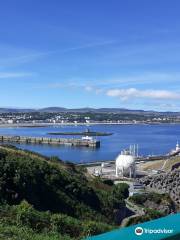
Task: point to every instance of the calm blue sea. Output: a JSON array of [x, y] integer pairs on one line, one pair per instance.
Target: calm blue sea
[[152, 139]]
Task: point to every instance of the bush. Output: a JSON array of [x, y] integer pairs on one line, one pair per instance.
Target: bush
[[108, 182], [121, 190], [24, 216], [66, 225], [138, 199], [24, 233], [153, 214], [28, 216], [153, 197], [94, 228]]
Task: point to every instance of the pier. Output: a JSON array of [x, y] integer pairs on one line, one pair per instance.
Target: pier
[[51, 141]]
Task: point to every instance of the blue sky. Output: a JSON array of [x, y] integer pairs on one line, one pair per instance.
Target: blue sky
[[96, 53]]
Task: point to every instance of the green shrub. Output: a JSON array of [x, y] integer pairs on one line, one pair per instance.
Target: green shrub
[[121, 190], [153, 214], [157, 198], [138, 199], [25, 233], [66, 225], [93, 228], [108, 182], [28, 216]]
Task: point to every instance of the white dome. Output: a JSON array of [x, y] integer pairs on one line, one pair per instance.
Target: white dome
[[125, 161]]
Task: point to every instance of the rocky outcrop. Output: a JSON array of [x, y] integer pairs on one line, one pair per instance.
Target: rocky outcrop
[[165, 183], [175, 166], [164, 207]]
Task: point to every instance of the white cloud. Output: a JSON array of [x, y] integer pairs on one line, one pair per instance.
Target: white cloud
[[126, 94]]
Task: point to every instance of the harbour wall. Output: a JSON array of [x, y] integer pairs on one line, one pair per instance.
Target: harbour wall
[[52, 141]]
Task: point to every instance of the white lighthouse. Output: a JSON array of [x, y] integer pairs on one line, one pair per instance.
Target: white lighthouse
[[177, 147]]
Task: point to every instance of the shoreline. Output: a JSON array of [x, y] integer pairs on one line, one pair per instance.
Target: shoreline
[[31, 125]]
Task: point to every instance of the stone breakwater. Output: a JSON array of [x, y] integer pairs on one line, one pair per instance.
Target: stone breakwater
[[165, 183], [51, 141]]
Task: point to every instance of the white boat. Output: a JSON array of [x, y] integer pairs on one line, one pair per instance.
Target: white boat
[[87, 138]]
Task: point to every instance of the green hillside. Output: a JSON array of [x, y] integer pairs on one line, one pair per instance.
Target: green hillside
[[45, 198]]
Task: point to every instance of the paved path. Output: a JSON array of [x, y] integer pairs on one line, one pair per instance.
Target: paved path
[[138, 211]]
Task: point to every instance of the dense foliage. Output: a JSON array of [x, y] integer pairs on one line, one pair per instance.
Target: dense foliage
[[154, 205], [24, 216], [152, 197], [47, 195]]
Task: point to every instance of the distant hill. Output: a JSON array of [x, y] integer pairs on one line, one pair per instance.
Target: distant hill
[[52, 109], [15, 110], [83, 110]]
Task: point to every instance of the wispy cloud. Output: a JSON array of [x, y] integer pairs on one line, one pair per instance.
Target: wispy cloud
[[146, 77], [32, 55], [90, 45], [11, 55], [4, 75], [133, 93], [76, 48], [59, 85], [88, 88], [99, 85]]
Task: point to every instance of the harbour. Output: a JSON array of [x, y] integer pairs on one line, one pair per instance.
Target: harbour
[[155, 141]]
